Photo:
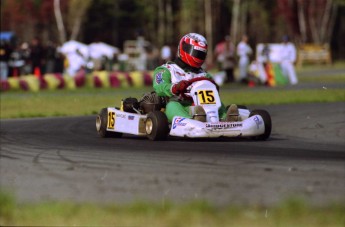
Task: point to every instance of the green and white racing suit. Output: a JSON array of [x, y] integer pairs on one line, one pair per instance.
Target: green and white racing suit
[[169, 74]]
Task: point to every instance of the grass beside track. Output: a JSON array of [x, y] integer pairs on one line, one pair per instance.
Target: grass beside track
[[292, 212], [90, 101]]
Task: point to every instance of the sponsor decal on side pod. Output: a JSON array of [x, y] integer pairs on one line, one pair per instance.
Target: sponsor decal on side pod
[[221, 125], [178, 122], [257, 121]]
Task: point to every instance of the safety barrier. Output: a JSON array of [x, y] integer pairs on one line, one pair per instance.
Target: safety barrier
[[314, 53], [95, 79]]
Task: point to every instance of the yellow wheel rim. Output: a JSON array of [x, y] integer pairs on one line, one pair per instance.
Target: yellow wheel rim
[[98, 123], [148, 126]]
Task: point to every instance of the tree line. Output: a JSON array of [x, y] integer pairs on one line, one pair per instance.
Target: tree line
[[165, 21]]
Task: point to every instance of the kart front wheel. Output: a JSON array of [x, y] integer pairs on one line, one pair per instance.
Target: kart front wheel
[[267, 122], [157, 126], [101, 125]]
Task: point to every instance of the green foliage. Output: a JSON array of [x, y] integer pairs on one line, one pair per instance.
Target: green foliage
[[259, 24], [188, 15], [340, 2]]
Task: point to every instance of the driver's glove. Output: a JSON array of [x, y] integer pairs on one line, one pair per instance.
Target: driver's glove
[[180, 87]]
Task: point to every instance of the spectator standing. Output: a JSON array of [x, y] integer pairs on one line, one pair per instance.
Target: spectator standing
[[142, 44], [51, 56], [262, 60], [225, 57], [5, 51], [25, 55], [166, 54], [76, 62], [243, 52], [152, 57], [288, 58], [59, 61], [16, 62], [36, 56]]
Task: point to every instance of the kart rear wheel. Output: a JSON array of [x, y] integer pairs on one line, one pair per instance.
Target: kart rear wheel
[[267, 122], [157, 126], [101, 125]]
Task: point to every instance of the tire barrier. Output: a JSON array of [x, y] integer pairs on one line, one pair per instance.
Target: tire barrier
[[96, 79]]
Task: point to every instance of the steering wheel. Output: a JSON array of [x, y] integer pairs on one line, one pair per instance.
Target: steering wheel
[[196, 79], [186, 95]]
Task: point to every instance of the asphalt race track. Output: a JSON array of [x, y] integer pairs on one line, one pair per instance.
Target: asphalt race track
[[64, 159]]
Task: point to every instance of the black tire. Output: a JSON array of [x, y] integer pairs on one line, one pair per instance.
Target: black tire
[[267, 122], [101, 125], [157, 126]]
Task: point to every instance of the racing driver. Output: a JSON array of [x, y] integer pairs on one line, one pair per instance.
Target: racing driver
[[171, 80]]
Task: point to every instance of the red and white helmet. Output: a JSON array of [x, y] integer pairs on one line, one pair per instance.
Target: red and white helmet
[[192, 49]]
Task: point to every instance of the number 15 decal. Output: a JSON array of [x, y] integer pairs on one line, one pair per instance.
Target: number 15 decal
[[111, 120], [206, 97]]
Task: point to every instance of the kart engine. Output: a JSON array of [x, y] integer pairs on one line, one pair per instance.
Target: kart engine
[[151, 102], [130, 105]]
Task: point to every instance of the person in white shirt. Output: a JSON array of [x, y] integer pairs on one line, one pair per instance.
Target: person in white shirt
[[166, 53], [243, 52], [76, 61], [288, 57]]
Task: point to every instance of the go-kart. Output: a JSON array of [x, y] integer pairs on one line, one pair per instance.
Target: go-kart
[[146, 117]]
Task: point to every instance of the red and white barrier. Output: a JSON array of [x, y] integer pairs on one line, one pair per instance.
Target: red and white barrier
[[95, 79]]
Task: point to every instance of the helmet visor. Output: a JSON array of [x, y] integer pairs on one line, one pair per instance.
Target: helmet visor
[[193, 52]]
